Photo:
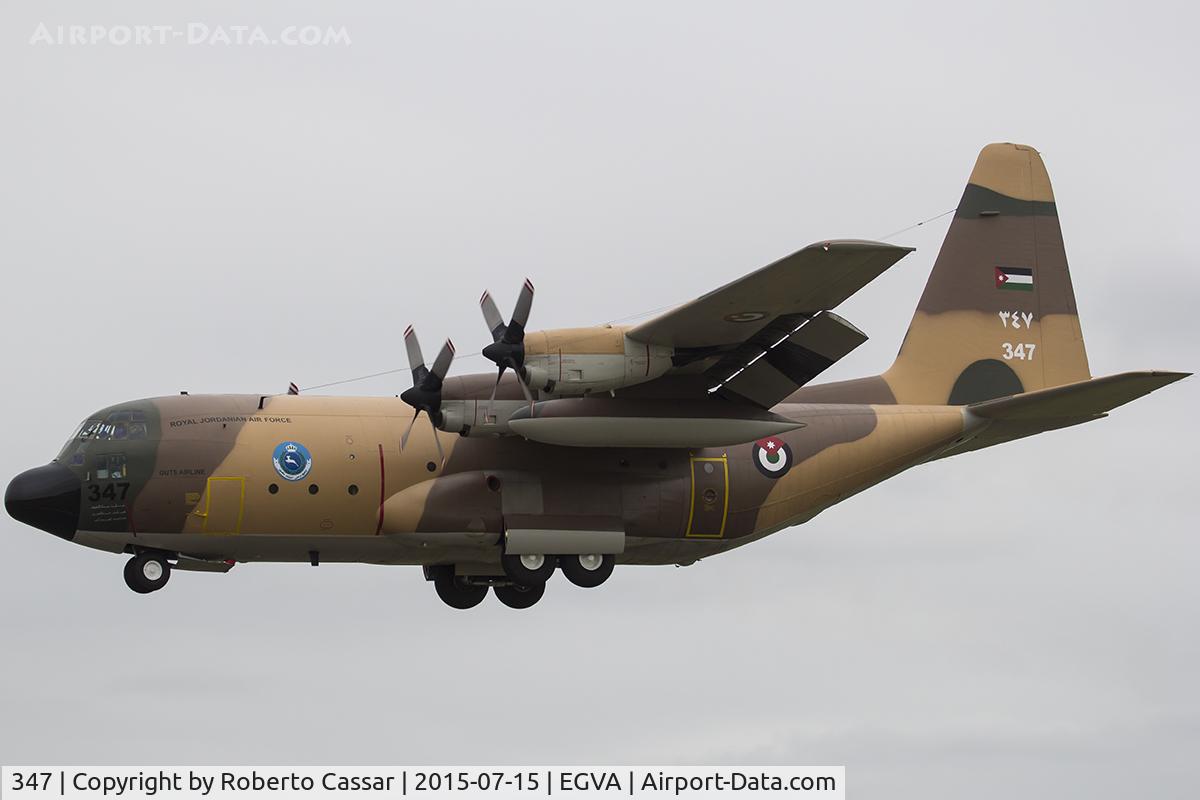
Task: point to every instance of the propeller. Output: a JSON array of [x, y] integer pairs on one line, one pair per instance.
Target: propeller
[[507, 350], [426, 391]]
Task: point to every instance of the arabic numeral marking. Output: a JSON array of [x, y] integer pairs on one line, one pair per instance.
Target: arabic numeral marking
[[1021, 351]]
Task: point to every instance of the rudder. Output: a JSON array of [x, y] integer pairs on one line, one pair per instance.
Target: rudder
[[998, 314]]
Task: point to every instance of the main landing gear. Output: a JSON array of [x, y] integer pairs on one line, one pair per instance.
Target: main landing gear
[[524, 580], [587, 571], [517, 596], [458, 591], [528, 570], [147, 572]]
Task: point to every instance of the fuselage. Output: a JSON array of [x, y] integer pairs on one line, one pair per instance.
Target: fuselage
[[694, 432], [290, 478]]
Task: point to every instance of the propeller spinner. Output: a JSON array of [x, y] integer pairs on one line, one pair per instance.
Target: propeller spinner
[[426, 391], [507, 350]]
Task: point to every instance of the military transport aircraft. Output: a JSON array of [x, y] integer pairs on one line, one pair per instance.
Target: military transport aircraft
[[658, 443]]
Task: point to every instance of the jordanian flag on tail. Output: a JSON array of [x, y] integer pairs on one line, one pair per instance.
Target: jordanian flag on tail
[[1015, 279]]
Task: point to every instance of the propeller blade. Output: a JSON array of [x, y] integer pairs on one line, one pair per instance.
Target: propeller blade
[[491, 315], [492, 399], [415, 359], [437, 441], [525, 389], [408, 430], [521, 312], [441, 364]]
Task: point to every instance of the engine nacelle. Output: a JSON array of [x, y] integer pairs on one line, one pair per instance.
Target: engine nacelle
[[579, 361]]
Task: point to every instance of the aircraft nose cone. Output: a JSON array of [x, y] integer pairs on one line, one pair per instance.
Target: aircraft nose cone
[[47, 498]]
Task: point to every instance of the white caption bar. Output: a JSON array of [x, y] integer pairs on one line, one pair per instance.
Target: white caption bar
[[425, 783]]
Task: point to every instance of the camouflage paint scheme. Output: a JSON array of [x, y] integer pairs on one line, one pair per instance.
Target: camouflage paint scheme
[[199, 484], [199, 481]]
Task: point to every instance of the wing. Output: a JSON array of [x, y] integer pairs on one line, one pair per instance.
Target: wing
[[817, 278]]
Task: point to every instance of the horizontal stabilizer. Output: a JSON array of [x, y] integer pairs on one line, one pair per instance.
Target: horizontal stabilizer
[[1009, 418], [1076, 400]]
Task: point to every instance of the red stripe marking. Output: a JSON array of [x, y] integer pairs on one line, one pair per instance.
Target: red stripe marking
[[382, 489]]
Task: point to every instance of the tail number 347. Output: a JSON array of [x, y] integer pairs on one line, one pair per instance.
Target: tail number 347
[[1019, 351]]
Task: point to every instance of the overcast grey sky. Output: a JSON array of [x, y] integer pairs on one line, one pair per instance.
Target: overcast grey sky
[[216, 218]]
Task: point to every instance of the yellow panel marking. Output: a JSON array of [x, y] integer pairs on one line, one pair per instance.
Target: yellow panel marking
[[208, 505], [724, 459]]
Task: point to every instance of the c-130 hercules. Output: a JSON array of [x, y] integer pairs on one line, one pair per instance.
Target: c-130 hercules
[[660, 443]]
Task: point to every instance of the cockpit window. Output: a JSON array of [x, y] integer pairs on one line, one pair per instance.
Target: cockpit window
[[116, 426], [92, 429]]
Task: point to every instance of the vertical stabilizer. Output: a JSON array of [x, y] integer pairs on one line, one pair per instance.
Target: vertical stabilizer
[[998, 314]]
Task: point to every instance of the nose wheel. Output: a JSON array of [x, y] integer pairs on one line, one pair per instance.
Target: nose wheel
[[147, 572]]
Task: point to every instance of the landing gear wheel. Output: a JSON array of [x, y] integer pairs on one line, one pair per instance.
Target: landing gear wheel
[[528, 570], [146, 572], [587, 570], [517, 596], [456, 592]]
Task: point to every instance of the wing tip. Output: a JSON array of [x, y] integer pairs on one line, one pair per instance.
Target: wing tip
[[844, 245]]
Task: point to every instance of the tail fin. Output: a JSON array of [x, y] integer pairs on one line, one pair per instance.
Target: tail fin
[[998, 314]]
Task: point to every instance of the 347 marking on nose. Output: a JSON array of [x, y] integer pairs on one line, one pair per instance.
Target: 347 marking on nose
[[110, 491]]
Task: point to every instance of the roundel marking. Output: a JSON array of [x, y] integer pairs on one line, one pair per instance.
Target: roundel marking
[[745, 316], [773, 457], [292, 461]]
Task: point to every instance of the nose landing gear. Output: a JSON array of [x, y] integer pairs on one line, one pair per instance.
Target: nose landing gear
[[147, 572]]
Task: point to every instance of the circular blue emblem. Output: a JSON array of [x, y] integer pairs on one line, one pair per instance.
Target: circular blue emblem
[[292, 460]]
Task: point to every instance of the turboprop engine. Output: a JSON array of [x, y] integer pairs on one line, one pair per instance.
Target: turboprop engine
[[568, 361], [579, 361]]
